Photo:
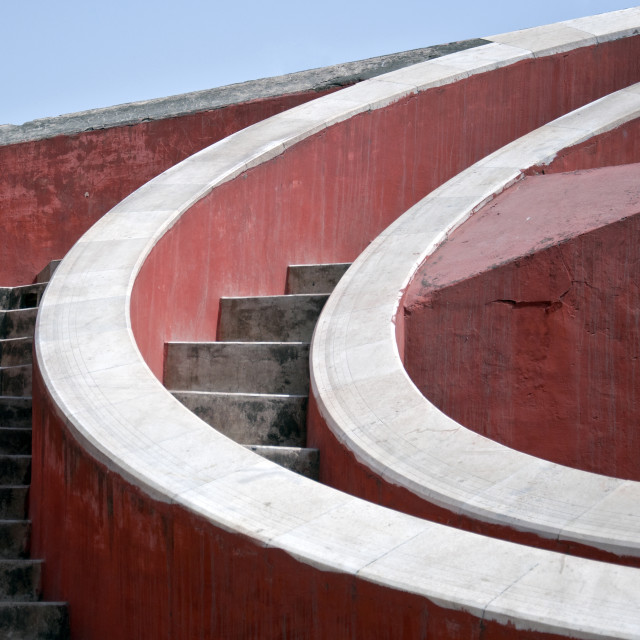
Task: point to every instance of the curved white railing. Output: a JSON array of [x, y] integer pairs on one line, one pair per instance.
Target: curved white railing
[[114, 406]]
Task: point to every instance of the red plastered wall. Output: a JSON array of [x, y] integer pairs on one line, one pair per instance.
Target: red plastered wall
[[53, 190], [326, 198], [134, 568], [537, 346]]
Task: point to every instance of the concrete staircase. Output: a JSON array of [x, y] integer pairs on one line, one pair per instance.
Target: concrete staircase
[[253, 384], [22, 615]]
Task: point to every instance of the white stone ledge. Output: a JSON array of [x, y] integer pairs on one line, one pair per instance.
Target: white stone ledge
[[113, 405], [373, 409], [564, 36]]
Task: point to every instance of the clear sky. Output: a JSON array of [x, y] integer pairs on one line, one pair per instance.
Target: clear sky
[[66, 56]]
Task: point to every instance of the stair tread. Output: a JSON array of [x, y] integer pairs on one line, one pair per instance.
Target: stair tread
[[279, 296], [302, 460], [240, 394], [265, 447], [39, 603]]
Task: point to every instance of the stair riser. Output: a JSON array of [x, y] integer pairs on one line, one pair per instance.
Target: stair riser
[[13, 503], [34, 620], [314, 278], [18, 323], [237, 367], [15, 441], [14, 539], [16, 381], [16, 351], [272, 318], [20, 580], [15, 412], [265, 420], [15, 470], [304, 461], [26, 296]]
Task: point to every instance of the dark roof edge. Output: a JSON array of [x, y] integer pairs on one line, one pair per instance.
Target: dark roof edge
[[160, 108]]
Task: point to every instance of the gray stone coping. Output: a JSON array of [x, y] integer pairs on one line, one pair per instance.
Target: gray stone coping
[[114, 406], [334, 76]]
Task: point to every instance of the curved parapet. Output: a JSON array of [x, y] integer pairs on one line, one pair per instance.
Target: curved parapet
[[172, 530], [396, 432]]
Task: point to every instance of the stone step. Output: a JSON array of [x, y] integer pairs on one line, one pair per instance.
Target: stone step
[[34, 621], [16, 351], [238, 367], [20, 580], [13, 502], [314, 278], [14, 539], [45, 275], [270, 318], [251, 418], [16, 381], [18, 323], [21, 297], [15, 470], [15, 411], [302, 460], [15, 441]]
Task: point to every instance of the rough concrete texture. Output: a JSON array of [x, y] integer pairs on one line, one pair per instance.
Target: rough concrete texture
[[15, 351], [335, 76], [238, 367], [264, 419], [15, 380], [21, 297], [34, 620], [13, 502], [314, 278], [304, 461], [15, 469], [26, 296], [21, 615], [14, 539], [20, 580], [524, 325], [270, 318], [17, 323], [15, 440], [15, 412]]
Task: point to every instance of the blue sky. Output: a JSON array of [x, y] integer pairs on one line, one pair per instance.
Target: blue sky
[[66, 56]]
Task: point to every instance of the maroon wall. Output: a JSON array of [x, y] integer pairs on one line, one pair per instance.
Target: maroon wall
[[134, 568], [524, 325], [53, 190], [335, 191]]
